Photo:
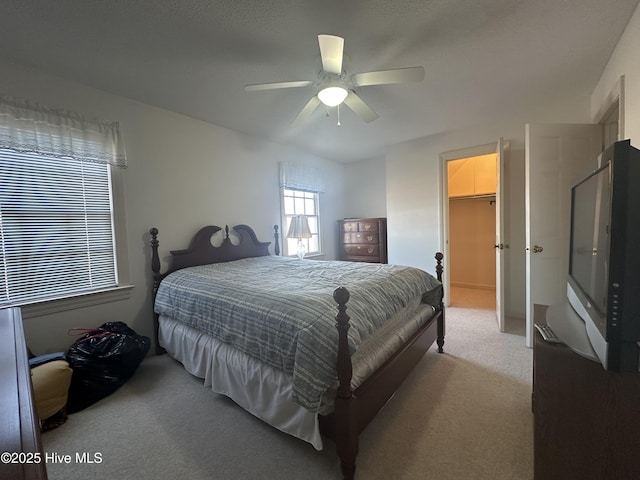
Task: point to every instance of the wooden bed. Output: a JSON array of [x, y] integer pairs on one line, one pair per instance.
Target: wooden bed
[[353, 408]]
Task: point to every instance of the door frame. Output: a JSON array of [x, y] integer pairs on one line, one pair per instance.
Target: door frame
[[446, 157], [614, 99]]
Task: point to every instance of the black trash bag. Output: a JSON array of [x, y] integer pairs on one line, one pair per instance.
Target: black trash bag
[[103, 359]]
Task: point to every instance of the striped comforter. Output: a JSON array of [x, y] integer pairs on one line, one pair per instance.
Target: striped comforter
[[281, 310]]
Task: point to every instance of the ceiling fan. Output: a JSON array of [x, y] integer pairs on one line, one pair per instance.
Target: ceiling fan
[[336, 87]]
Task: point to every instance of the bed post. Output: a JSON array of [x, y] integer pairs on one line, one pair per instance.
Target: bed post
[[346, 427], [439, 269], [276, 245], [157, 276]]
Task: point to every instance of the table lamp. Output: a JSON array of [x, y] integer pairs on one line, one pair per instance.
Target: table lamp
[[299, 228]]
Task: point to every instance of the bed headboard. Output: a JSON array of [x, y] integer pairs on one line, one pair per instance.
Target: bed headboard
[[201, 251]]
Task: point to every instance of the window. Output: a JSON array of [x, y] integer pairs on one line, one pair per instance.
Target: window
[[56, 228], [58, 235], [301, 186], [298, 202]]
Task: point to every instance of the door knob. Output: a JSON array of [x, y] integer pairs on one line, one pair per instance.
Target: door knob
[[536, 249]]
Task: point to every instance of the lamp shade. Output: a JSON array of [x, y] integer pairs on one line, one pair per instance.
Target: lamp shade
[[299, 227]]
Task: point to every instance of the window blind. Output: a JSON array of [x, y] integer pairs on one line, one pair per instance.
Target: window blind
[[298, 176], [56, 228]]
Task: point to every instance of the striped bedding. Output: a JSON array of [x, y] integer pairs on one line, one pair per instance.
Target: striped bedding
[[281, 310]]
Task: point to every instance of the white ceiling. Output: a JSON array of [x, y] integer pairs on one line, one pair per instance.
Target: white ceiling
[[195, 56]]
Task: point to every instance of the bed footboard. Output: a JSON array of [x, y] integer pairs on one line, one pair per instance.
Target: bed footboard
[[441, 324], [354, 410], [346, 430]]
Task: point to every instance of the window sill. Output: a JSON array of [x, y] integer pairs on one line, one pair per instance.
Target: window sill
[[114, 294], [309, 256]]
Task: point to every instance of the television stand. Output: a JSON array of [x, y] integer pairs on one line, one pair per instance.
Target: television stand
[[586, 419]]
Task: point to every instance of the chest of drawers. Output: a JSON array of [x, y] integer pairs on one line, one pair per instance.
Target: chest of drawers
[[363, 239]]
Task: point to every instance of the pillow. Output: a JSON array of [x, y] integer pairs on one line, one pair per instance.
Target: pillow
[[47, 357], [50, 387]]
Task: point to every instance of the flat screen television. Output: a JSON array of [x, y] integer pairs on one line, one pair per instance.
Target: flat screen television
[[603, 285]]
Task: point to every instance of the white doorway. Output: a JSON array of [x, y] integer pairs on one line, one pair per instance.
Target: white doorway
[[473, 218]]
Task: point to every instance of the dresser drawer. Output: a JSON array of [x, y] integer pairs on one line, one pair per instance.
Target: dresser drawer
[[350, 227], [356, 258], [361, 250], [367, 226], [360, 226], [358, 237]]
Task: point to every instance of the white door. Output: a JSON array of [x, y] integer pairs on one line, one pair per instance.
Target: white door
[[500, 238], [556, 156]]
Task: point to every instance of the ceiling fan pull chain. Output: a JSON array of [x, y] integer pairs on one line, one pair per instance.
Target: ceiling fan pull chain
[[338, 115]]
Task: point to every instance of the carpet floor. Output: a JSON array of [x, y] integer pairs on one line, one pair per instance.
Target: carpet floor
[[464, 414]]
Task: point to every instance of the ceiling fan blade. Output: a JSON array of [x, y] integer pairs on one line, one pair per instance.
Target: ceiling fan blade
[[385, 77], [273, 86], [355, 103], [307, 110], [331, 49]]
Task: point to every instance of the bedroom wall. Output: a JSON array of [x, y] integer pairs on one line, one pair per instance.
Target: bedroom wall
[[624, 61], [182, 174], [366, 190]]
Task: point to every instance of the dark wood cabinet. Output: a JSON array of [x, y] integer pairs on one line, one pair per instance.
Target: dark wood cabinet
[[586, 419], [19, 426], [363, 239]]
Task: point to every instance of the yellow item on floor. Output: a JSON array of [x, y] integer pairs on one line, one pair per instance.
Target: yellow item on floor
[[51, 387]]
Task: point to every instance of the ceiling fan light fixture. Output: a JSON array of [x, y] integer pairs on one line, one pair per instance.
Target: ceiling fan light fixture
[[332, 96]]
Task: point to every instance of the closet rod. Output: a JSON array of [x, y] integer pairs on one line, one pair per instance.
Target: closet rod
[[470, 197]]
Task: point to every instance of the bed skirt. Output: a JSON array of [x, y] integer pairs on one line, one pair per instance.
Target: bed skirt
[[266, 392]]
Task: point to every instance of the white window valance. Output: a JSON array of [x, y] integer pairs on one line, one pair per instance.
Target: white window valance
[[298, 176], [26, 127]]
